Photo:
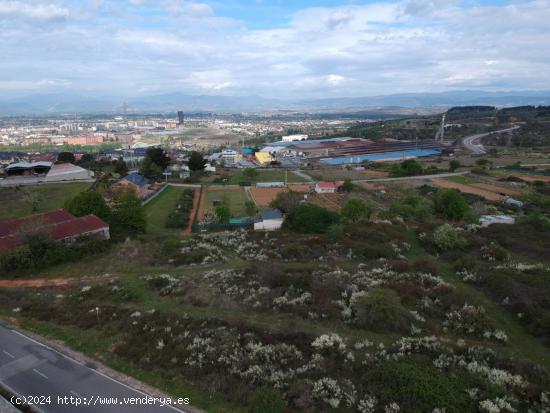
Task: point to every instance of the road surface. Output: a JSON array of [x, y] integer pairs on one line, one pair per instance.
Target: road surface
[[30, 368], [478, 149]]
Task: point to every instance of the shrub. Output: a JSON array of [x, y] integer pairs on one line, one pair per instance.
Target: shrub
[[409, 167], [446, 237], [266, 400], [179, 217], [451, 204], [381, 309], [309, 218], [355, 210], [410, 207]]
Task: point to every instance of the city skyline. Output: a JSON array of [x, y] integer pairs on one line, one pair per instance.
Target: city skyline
[[278, 49]]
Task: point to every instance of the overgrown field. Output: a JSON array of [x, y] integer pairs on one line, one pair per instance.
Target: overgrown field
[[422, 310], [25, 200]]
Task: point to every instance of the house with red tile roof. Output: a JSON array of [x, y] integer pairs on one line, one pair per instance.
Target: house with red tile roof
[[325, 187], [58, 225]]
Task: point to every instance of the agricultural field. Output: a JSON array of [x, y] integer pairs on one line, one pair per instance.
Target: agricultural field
[[233, 197], [158, 210], [262, 175], [25, 200]]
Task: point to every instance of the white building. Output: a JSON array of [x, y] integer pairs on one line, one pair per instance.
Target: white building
[[270, 220], [294, 138], [325, 187], [68, 172], [230, 156]]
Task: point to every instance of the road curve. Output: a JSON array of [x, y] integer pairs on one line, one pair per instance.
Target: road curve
[[478, 149], [30, 368]]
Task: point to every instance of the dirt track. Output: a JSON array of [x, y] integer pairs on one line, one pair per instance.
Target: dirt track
[[52, 282], [503, 190], [532, 178], [467, 189], [196, 200]]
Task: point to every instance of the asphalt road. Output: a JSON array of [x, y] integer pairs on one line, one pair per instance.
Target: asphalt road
[[478, 149], [30, 368]]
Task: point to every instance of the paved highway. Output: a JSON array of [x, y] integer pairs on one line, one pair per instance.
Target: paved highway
[[30, 368], [478, 149]]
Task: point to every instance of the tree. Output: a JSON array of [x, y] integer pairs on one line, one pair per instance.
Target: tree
[[120, 167], [158, 157], [347, 186], [454, 165], [65, 157], [250, 208], [86, 203], [86, 159], [355, 210], [409, 167], [223, 213], [309, 218], [196, 161], [451, 204], [250, 173], [482, 162], [127, 216], [286, 201], [149, 169]]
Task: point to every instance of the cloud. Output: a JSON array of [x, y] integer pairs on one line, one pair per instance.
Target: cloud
[[19, 9], [353, 50]]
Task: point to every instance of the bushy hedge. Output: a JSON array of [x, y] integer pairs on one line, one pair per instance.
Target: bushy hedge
[[41, 252], [179, 217]]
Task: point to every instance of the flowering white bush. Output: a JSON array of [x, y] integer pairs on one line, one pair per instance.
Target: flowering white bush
[[329, 342], [327, 390], [498, 405]]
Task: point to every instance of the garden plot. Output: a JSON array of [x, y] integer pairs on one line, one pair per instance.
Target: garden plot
[[468, 189], [233, 197]]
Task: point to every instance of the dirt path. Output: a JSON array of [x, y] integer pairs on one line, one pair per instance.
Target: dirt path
[[52, 282], [196, 199]]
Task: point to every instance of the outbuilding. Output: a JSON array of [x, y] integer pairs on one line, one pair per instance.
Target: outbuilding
[[269, 220]]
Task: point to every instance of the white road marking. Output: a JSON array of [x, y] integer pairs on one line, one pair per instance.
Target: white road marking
[[92, 370], [8, 354], [40, 374], [76, 394]]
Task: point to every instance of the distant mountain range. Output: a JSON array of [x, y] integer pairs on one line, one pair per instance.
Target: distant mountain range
[[67, 103]]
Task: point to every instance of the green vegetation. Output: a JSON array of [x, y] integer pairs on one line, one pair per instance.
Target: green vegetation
[[223, 214], [410, 208], [127, 217], [451, 204], [287, 201], [309, 218], [263, 175], [356, 210], [158, 210], [179, 217], [234, 199], [86, 203], [154, 163], [196, 161], [24, 200], [409, 167]]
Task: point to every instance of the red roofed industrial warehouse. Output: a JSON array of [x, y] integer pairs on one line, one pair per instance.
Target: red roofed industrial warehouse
[[59, 225]]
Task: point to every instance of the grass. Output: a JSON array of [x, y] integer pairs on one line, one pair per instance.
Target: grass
[[234, 199], [17, 201], [158, 209], [269, 175], [461, 179]]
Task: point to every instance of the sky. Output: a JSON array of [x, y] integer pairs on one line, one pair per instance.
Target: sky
[[272, 48]]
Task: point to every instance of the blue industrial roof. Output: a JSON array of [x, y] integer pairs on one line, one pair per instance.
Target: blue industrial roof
[[136, 179]]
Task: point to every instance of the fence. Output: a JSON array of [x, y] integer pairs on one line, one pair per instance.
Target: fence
[[222, 227]]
